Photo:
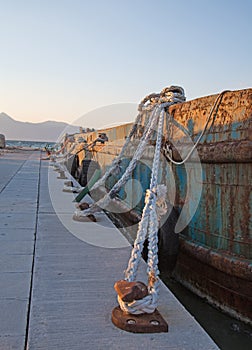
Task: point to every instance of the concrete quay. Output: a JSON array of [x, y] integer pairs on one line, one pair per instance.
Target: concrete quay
[[57, 275]]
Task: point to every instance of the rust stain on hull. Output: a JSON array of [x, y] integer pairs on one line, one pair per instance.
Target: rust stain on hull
[[216, 253], [225, 281]]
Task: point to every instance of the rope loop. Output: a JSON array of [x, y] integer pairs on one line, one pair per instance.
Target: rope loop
[[174, 94], [148, 102], [146, 305]]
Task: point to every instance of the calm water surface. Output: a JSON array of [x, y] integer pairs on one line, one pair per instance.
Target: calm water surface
[[227, 332]]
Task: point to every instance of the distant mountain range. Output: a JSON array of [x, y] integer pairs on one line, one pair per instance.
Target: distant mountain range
[[24, 131]]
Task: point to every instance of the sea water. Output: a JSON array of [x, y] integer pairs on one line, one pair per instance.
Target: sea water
[[227, 332], [29, 144]]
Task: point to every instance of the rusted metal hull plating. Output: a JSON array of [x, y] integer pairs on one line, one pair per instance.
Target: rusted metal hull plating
[[216, 250]]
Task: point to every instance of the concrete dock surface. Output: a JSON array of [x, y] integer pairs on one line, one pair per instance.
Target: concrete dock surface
[[57, 275]]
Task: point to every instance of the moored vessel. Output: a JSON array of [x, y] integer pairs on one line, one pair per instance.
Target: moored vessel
[[211, 191]]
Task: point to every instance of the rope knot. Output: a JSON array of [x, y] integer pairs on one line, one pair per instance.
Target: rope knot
[[173, 94], [170, 95], [148, 102]]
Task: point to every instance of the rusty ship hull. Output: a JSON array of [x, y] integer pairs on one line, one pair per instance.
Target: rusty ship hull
[[214, 259]]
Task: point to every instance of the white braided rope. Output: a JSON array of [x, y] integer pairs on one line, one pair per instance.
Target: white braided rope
[[138, 153], [117, 160], [137, 307], [64, 156], [77, 213], [148, 224], [104, 202], [72, 189], [152, 262]]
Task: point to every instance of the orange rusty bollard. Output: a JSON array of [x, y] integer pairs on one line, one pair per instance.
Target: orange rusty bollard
[[61, 175], [143, 323]]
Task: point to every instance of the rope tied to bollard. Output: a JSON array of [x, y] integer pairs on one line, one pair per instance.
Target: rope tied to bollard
[[135, 298], [148, 226]]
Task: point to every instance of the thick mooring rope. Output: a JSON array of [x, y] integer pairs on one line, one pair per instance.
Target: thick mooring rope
[[148, 225], [146, 105], [154, 103], [105, 201], [116, 161]]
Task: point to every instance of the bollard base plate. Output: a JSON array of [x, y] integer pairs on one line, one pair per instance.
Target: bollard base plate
[[144, 323]]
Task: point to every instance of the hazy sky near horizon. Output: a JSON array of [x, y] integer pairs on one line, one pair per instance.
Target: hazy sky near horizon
[[60, 59]]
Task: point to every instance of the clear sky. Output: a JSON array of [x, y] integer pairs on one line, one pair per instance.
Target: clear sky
[[60, 59]]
